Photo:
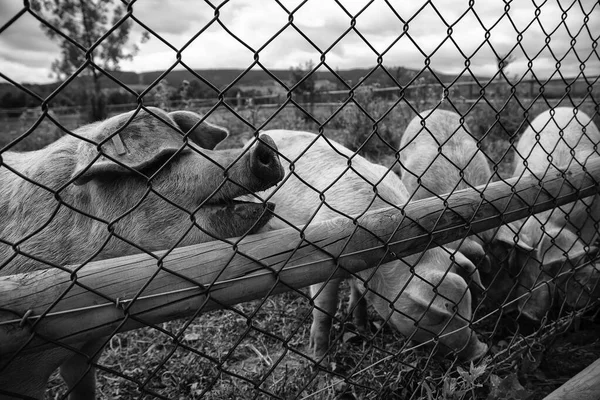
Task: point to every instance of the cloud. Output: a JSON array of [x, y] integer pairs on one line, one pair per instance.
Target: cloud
[[175, 17], [411, 34]]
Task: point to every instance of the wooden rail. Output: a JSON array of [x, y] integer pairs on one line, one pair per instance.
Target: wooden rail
[[583, 386], [60, 307]]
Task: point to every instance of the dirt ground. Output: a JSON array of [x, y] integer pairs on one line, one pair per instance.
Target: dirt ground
[[566, 356]]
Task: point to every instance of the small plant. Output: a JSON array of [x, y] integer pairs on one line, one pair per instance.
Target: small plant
[[457, 388]]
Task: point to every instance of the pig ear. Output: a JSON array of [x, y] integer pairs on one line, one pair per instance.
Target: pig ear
[[476, 254], [432, 314], [469, 272], [205, 135], [504, 235], [503, 246], [139, 141], [553, 258], [123, 144]]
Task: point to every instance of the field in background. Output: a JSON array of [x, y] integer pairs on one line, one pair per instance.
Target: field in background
[[369, 123], [190, 360]]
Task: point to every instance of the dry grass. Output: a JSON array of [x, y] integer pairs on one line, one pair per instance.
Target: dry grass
[[258, 350]]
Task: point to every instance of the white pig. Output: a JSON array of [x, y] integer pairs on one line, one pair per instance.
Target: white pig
[[439, 156], [322, 186], [56, 205], [555, 140]]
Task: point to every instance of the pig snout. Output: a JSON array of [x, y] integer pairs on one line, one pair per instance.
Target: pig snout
[[474, 350], [534, 306], [264, 161]]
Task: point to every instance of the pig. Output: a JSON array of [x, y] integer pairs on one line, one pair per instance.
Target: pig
[[439, 156], [438, 150], [556, 139], [325, 181], [157, 184]]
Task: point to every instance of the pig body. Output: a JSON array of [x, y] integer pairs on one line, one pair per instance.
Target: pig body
[[441, 154], [188, 180], [555, 140], [322, 186]]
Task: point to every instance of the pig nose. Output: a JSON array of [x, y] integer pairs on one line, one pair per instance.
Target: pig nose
[[264, 162], [535, 306], [474, 350]]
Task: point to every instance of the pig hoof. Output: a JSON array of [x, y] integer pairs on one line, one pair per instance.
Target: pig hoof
[[317, 353]]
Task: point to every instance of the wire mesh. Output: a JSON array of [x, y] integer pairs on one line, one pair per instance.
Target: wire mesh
[[148, 181]]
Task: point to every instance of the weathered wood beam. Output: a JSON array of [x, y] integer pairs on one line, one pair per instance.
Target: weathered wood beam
[[133, 291]]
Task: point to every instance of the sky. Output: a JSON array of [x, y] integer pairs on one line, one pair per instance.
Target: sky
[[26, 53]]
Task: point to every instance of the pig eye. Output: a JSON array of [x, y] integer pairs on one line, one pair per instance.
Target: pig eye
[[451, 307]]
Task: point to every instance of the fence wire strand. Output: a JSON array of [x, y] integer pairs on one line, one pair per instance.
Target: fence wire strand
[[516, 290]]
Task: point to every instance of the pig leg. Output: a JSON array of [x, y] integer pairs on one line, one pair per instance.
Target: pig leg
[[325, 306], [358, 306], [79, 373]]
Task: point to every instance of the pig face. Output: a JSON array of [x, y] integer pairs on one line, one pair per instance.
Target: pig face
[[443, 314], [432, 303], [156, 183], [582, 287], [508, 250], [524, 276], [556, 139]]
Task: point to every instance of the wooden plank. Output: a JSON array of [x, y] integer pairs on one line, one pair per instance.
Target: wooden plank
[[213, 275], [583, 386]]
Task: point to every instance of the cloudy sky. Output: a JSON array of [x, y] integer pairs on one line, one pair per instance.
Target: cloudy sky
[[26, 53]]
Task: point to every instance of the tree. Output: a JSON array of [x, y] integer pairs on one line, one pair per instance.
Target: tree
[[504, 62], [307, 88], [308, 85], [86, 21]]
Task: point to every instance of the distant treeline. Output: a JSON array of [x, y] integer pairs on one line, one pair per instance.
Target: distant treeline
[[202, 84], [124, 87]]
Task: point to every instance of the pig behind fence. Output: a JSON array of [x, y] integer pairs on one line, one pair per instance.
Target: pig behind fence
[[438, 150], [149, 190], [439, 156], [322, 185], [556, 139]]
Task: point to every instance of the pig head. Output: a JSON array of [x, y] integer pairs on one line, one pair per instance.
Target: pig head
[[430, 304], [142, 180], [548, 260]]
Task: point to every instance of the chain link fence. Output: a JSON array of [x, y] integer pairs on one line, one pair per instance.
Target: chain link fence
[[465, 313]]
